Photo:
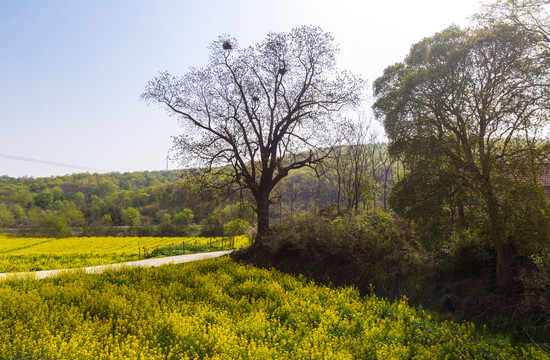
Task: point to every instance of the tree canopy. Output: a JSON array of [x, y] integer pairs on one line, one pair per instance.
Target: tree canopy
[[465, 112], [530, 15], [259, 112]]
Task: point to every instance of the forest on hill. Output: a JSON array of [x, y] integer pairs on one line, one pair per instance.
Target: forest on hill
[[92, 202], [172, 203]]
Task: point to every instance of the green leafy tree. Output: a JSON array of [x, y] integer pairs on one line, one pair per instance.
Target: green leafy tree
[[34, 214], [44, 199], [18, 213], [107, 220], [140, 198], [236, 227], [70, 212], [106, 187], [55, 225], [23, 197], [165, 223], [6, 217], [460, 111], [79, 199], [58, 194], [183, 218], [212, 225], [131, 217], [95, 207]]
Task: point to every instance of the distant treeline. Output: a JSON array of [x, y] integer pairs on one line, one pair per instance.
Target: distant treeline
[[162, 203], [55, 205]]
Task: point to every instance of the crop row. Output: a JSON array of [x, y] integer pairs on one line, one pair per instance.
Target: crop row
[[30, 254]]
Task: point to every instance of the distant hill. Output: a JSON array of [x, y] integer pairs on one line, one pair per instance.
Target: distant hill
[[152, 199]]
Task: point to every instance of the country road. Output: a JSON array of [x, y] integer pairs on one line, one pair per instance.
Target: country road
[[178, 259]]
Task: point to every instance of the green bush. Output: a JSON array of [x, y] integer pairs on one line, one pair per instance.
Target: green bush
[[56, 226], [131, 217], [236, 227], [359, 250], [535, 280]]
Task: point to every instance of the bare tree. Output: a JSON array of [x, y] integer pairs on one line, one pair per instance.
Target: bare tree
[[287, 192], [387, 164], [255, 114], [374, 154], [354, 165], [359, 182]]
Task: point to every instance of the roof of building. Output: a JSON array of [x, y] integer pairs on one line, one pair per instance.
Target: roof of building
[[545, 175]]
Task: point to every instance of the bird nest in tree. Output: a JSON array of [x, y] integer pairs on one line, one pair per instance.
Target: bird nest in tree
[[227, 45]]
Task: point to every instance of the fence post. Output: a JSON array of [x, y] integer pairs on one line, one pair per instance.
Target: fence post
[[139, 253], [183, 247]]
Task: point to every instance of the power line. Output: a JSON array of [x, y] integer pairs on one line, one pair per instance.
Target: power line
[[20, 158]]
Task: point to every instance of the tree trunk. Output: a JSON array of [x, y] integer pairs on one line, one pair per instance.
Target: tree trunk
[[386, 176], [338, 195], [262, 211], [504, 264], [503, 249]]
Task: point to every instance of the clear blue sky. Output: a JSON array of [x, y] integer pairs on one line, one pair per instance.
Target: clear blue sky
[[72, 71]]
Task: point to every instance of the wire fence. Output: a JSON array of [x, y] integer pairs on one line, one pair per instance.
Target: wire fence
[[218, 244]]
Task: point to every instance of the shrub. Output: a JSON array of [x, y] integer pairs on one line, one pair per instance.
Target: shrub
[[354, 250], [131, 217], [236, 227]]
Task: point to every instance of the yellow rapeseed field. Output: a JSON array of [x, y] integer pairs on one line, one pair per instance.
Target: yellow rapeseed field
[[30, 254], [216, 309]]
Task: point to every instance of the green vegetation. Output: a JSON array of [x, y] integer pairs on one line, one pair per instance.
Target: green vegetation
[[216, 309], [149, 203], [130, 217], [464, 111], [377, 251]]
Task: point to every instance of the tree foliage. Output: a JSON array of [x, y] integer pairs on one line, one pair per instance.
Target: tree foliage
[[131, 217], [236, 227], [6, 216], [183, 218], [465, 112], [530, 15]]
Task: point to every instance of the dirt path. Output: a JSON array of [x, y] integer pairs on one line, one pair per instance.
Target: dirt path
[[147, 262]]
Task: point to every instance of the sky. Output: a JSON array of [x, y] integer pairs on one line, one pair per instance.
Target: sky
[[72, 71]]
